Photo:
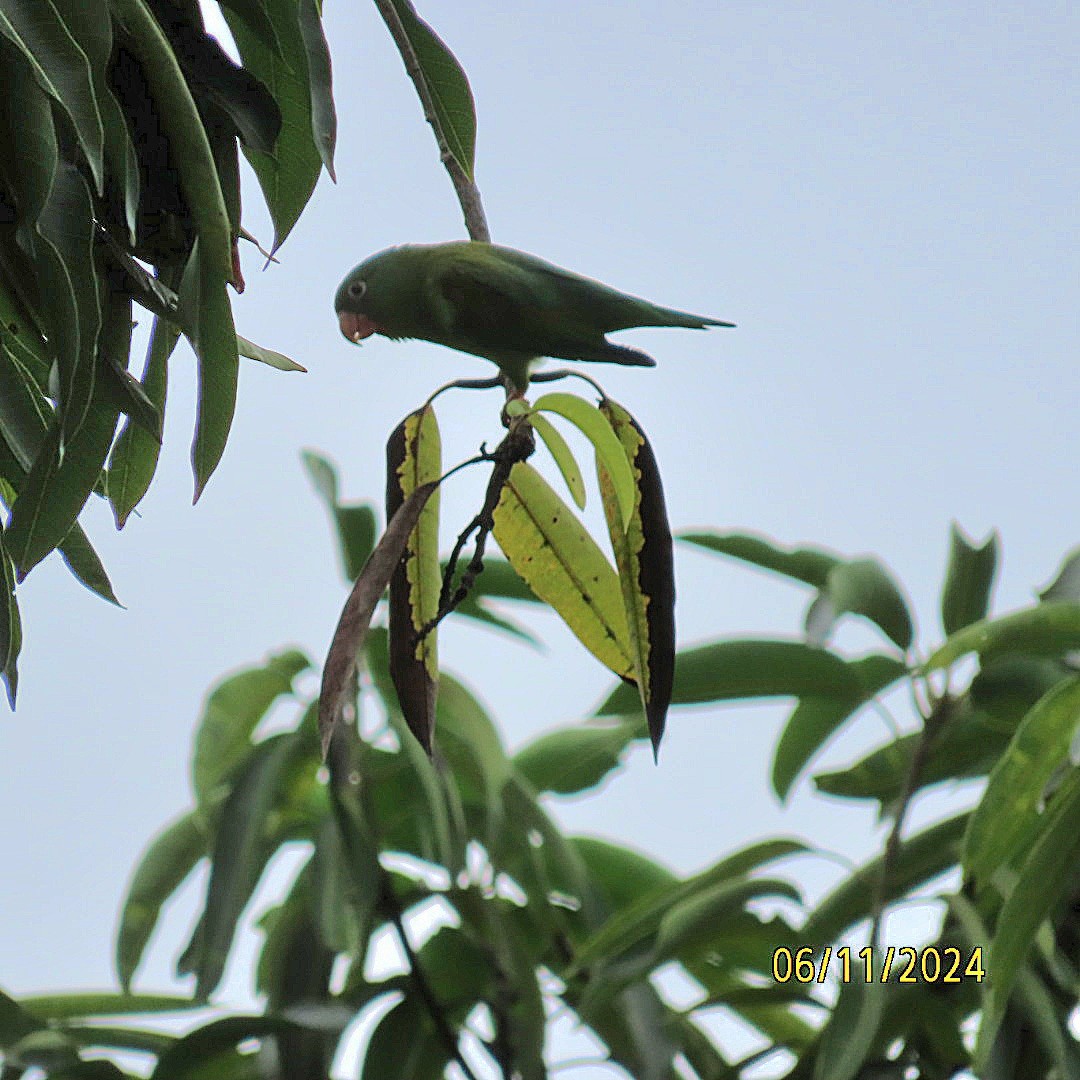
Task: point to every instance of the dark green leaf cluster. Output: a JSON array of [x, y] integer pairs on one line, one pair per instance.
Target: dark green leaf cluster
[[501, 918], [120, 125]]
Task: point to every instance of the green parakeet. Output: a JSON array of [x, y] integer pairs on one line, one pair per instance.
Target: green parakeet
[[498, 303]]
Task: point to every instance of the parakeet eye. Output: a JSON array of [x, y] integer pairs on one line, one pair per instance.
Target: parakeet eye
[[357, 289]]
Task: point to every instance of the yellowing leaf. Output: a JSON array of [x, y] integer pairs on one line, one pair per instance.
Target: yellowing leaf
[[549, 547]]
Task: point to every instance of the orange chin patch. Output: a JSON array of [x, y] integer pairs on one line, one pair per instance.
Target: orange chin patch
[[356, 327]]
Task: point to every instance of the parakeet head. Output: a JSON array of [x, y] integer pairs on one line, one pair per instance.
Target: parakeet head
[[372, 297]]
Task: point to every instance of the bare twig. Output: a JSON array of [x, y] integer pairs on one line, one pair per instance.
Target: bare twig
[[467, 192]]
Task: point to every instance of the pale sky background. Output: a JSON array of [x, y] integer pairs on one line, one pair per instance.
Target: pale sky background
[[881, 196]]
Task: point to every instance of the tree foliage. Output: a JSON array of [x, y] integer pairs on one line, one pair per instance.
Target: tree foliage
[[120, 126]]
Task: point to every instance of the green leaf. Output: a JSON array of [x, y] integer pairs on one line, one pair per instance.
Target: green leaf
[[63, 249], [808, 565], [729, 670], [267, 356], [82, 560], [10, 623], [288, 176], [1001, 825], [355, 523], [640, 921], [62, 69], [644, 555], [623, 875], [575, 759], [562, 564], [920, 858], [207, 308], [231, 714], [183, 127], [447, 84], [25, 413], [404, 1046], [413, 460], [818, 717], [75, 1006], [847, 1040], [860, 587], [206, 1043], [564, 458], [969, 580], [1050, 629], [1066, 583], [241, 849], [323, 115], [1045, 875], [345, 882], [163, 868], [134, 457], [596, 427], [61, 480], [15, 1022], [967, 747]]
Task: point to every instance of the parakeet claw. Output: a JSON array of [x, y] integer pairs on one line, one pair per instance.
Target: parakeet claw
[[356, 327]]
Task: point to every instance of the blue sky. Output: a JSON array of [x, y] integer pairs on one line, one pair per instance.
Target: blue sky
[[879, 195]]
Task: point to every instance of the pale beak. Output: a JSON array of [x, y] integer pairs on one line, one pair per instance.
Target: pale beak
[[356, 327]]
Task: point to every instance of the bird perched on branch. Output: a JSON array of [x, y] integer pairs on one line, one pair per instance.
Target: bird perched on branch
[[504, 305]]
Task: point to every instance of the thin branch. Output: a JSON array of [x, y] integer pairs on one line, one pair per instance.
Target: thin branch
[[468, 193], [933, 723], [346, 784]]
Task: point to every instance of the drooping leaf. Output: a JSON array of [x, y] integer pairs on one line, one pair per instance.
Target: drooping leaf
[[447, 84], [323, 115], [10, 624], [163, 868], [63, 249], [63, 476], [288, 175], [413, 460], [1050, 629], [574, 759], [232, 711], [1001, 824], [563, 456], [206, 307], [808, 565], [644, 556], [85, 565], [134, 457], [339, 671], [969, 580], [561, 563], [729, 670], [25, 413], [62, 69], [596, 425]]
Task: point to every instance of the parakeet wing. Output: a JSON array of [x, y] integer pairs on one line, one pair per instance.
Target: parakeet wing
[[524, 305]]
